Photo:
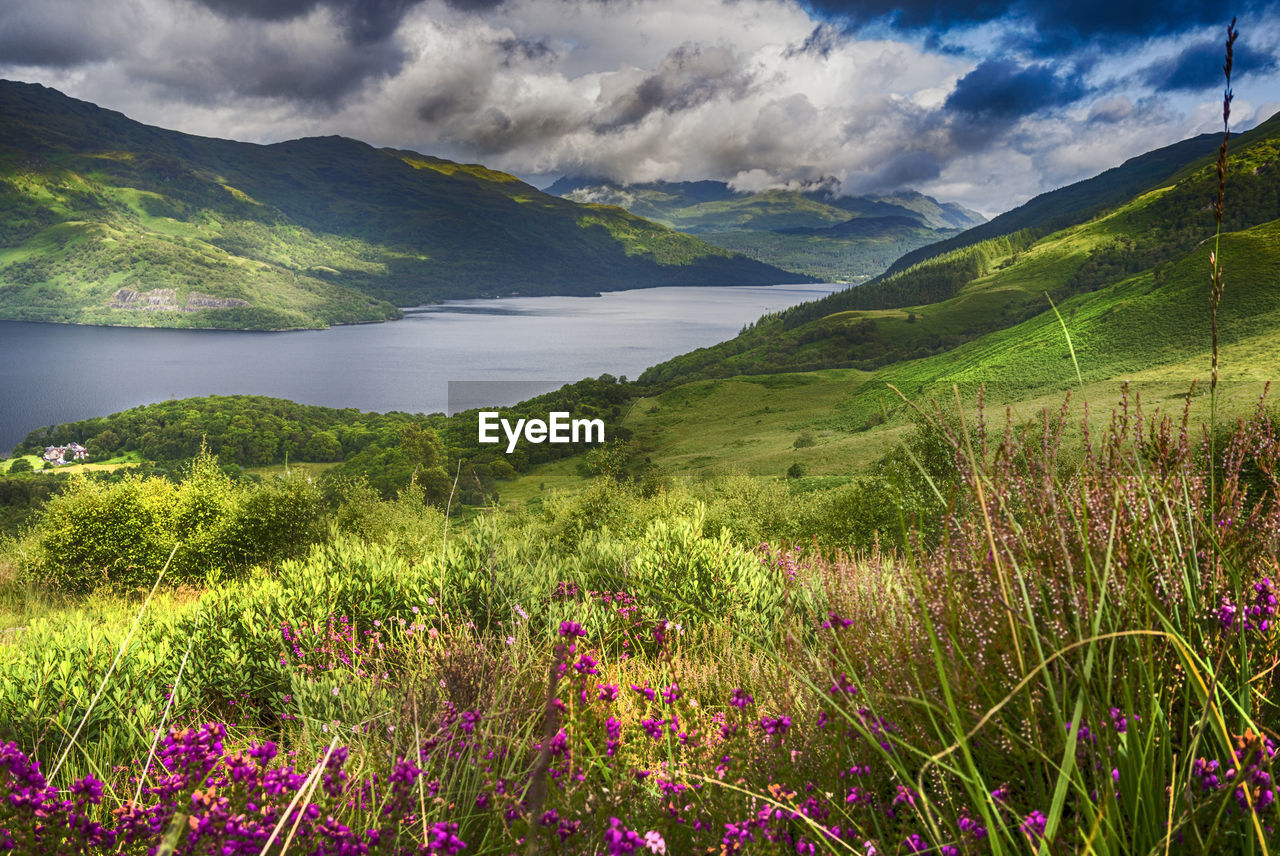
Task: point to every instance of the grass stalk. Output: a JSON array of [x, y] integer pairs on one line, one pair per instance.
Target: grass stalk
[[164, 717], [119, 655]]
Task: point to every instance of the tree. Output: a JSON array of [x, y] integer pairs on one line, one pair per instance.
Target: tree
[[500, 469], [20, 465], [323, 446], [103, 444], [609, 461], [422, 446]]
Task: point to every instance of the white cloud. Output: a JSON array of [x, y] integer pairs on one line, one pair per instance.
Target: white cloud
[[753, 91]]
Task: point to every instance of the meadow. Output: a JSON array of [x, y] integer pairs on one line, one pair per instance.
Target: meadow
[[1067, 646]]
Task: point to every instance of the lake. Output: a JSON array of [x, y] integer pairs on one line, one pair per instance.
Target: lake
[[446, 357]]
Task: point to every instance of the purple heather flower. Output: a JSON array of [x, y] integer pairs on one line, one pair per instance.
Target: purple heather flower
[[842, 684], [835, 620], [89, 788], [653, 727], [645, 691], [660, 632], [1033, 825], [975, 829], [619, 841], [740, 698], [444, 839], [775, 725], [571, 629]]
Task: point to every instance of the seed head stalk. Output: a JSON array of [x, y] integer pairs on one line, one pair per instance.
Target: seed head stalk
[[1216, 284]]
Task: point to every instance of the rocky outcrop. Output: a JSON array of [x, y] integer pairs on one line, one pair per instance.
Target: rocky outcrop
[[196, 300], [166, 300]]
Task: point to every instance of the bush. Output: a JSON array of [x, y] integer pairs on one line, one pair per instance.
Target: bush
[[120, 534], [95, 534]]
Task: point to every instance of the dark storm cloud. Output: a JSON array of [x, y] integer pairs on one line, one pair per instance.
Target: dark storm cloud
[[921, 14], [1058, 26], [688, 77], [262, 10], [496, 131], [475, 5], [1002, 89], [1199, 67], [907, 169], [238, 47], [515, 50], [34, 42], [365, 21], [455, 96], [318, 78]]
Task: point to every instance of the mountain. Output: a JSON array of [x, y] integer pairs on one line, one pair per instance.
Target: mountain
[[104, 220], [1076, 203], [1134, 273], [803, 230]]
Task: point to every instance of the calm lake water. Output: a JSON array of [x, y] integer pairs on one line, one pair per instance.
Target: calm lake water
[[459, 354]]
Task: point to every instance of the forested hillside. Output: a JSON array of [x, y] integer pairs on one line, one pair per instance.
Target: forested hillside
[[104, 220]]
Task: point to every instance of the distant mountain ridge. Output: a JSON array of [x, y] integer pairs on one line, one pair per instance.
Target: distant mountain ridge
[[691, 205], [105, 220], [812, 230]]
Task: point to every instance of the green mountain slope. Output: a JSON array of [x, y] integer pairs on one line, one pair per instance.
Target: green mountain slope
[[937, 305], [105, 220], [1079, 202], [811, 231]]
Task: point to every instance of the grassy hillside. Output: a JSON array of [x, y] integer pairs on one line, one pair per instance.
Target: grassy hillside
[[1153, 241], [104, 220], [813, 231], [1079, 202]]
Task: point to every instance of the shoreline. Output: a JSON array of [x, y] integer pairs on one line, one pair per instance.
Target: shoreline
[[404, 310]]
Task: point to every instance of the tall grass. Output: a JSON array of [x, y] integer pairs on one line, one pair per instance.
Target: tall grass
[[1142, 607], [1079, 661]]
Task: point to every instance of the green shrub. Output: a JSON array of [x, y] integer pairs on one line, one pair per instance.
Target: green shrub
[[205, 504], [753, 510], [276, 519], [120, 534], [95, 533]]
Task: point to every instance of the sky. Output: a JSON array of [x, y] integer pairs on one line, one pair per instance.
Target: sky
[[985, 103]]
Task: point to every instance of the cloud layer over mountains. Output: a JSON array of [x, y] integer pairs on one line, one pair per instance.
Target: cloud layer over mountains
[[986, 103]]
